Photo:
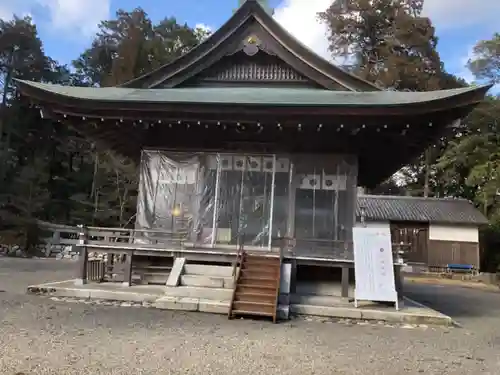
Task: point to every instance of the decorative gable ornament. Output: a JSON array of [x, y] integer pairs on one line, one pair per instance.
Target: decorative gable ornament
[[251, 45]]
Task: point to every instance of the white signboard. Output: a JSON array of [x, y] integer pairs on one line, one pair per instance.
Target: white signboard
[[373, 264]]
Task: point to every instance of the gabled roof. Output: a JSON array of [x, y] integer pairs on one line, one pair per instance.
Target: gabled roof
[[419, 209], [251, 18]]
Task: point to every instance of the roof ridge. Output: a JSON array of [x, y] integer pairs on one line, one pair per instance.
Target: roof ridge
[[409, 197], [373, 85]]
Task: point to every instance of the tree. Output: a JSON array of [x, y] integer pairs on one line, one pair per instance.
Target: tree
[[485, 65], [389, 187], [471, 164], [131, 45], [124, 48], [387, 42], [390, 43]]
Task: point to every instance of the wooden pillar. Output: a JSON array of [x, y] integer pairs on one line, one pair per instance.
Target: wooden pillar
[[345, 281], [81, 277], [127, 272]]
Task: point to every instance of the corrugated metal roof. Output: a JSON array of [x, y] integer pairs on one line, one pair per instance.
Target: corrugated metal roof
[[419, 209], [249, 95]]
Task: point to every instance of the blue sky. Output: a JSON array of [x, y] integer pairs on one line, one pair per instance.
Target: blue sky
[[66, 26]]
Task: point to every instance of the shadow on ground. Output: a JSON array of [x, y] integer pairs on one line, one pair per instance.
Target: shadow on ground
[[456, 301]]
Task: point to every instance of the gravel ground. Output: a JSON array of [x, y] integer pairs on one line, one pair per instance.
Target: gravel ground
[[41, 336]]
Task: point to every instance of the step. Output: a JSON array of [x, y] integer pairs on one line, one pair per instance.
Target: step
[[251, 288], [254, 313], [256, 274], [215, 294], [260, 271], [258, 266], [201, 269], [207, 281], [258, 281], [267, 309], [154, 279], [261, 261], [150, 273], [255, 297]]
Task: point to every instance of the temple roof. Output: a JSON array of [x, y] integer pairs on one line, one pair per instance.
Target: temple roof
[[263, 3], [252, 20], [252, 86], [251, 95], [419, 209]]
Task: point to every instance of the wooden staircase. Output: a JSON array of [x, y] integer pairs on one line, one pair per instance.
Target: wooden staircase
[[256, 287]]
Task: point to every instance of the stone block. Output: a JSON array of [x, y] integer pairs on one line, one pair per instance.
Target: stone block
[[319, 288], [202, 281], [215, 294], [228, 283], [334, 312], [283, 312], [122, 296], [286, 278], [214, 307], [176, 303], [200, 269], [176, 272]]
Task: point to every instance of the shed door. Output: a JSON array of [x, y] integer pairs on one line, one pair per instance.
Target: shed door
[[413, 240]]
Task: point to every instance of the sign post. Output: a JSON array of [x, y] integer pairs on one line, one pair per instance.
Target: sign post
[[374, 264]]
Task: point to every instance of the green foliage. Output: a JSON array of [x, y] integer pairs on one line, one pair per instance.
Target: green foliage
[[131, 45], [485, 64], [48, 170], [386, 42], [390, 43]]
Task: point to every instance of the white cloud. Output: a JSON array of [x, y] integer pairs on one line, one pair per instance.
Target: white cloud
[[463, 71], [6, 11], [79, 17], [204, 27], [300, 18], [69, 18]]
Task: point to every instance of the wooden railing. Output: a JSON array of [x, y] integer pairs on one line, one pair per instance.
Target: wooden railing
[[237, 259], [60, 236]]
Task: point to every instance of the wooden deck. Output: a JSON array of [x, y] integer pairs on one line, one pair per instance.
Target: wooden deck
[[124, 251], [158, 243]]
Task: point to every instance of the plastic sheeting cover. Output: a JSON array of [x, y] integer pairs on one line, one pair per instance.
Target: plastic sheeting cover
[[227, 198]]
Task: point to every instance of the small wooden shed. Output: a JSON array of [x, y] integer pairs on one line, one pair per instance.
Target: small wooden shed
[[438, 231]]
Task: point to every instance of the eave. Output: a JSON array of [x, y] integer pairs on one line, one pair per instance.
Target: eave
[[243, 104], [359, 127]]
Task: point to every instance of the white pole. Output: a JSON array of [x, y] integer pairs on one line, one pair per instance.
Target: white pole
[[271, 208], [216, 200]]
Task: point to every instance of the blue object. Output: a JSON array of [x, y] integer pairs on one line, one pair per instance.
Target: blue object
[[460, 266]]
